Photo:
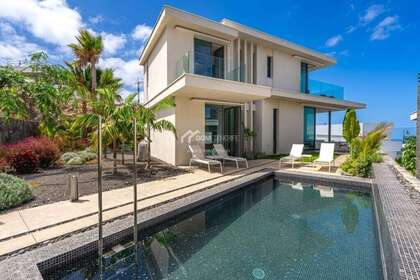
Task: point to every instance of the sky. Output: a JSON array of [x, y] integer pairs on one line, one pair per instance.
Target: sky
[[376, 43]]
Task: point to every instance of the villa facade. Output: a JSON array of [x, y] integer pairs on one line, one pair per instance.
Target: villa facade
[[227, 78]]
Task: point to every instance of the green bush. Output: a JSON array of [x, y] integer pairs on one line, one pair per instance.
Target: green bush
[[13, 191], [68, 156], [361, 167], [76, 161], [86, 155], [408, 159], [365, 152]]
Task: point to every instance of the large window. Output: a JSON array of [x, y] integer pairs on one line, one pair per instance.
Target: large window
[[208, 59], [269, 67], [309, 125], [304, 87]]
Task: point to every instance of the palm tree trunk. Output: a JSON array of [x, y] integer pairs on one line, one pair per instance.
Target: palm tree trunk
[[114, 151], [148, 147], [84, 111], [93, 65], [122, 153]]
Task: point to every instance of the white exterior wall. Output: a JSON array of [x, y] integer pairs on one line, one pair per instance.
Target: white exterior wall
[[290, 125], [189, 117], [163, 143], [286, 69], [180, 42], [157, 67]]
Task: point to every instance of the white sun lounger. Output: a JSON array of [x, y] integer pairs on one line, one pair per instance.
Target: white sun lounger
[[223, 155], [326, 155], [197, 155], [324, 191], [295, 154]]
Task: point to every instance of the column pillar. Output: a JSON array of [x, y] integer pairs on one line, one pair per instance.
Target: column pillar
[[329, 126], [239, 60]]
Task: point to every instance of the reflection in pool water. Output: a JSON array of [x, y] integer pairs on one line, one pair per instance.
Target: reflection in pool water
[[271, 230]]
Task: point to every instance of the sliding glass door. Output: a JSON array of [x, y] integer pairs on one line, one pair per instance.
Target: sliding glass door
[[208, 59], [222, 126], [309, 126]]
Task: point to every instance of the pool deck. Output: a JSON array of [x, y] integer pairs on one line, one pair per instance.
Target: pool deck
[[33, 226]]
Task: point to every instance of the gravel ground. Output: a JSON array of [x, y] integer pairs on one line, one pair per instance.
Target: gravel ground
[[51, 185], [412, 192]]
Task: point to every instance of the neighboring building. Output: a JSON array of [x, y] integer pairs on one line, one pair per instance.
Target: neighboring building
[[337, 131], [225, 77]]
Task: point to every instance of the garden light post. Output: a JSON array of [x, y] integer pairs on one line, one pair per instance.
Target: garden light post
[[99, 154], [135, 237]]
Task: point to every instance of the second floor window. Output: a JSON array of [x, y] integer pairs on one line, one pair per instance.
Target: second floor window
[[269, 67]]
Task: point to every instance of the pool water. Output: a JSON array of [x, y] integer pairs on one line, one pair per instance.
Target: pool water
[[270, 230]]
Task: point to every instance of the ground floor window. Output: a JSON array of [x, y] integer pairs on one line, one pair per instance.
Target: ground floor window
[[309, 125], [222, 126]]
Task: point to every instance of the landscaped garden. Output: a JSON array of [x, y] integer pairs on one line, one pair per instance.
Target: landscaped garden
[[66, 101]]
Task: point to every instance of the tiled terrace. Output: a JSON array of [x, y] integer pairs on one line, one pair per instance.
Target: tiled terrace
[[402, 226]]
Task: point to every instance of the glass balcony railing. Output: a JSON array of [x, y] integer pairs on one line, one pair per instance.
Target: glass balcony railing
[[319, 88], [207, 65]]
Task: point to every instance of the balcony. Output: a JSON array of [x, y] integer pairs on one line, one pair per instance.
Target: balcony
[[209, 66], [323, 89]]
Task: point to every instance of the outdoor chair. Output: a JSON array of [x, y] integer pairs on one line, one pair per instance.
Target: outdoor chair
[[295, 155], [326, 155], [223, 155], [197, 155]]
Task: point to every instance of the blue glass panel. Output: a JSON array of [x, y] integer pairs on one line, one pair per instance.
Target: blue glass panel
[[309, 120]]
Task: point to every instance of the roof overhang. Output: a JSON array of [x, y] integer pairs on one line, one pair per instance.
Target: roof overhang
[[323, 104], [204, 88], [315, 59], [176, 18]]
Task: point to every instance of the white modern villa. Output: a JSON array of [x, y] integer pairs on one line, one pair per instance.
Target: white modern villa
[[226, 77]]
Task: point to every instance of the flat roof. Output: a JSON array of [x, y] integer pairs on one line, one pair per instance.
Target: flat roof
[[229, 30]]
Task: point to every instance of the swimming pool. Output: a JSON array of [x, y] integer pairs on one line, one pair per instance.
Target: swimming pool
[[269, 230]]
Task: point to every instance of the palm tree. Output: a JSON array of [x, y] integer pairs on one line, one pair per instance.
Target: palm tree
[[116, 119], [147, 119], [87, 52]]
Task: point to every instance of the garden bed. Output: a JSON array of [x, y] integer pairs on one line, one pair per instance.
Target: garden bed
[[50, 185]]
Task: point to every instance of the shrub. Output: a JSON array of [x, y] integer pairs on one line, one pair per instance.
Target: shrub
[[23, 162], [86, 155], [13, 191], [361, 167], [46, 150], [3, 165], [68, 156], [76, 161], [365, 151], [408, 159]]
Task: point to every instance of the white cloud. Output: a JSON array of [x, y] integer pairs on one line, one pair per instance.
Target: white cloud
[[371, 13], [112, 43], [351, 29], [141, 32], [96, 19], [385, 27], [129, 71], [333, 41], [50, 20], [13, 47]]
